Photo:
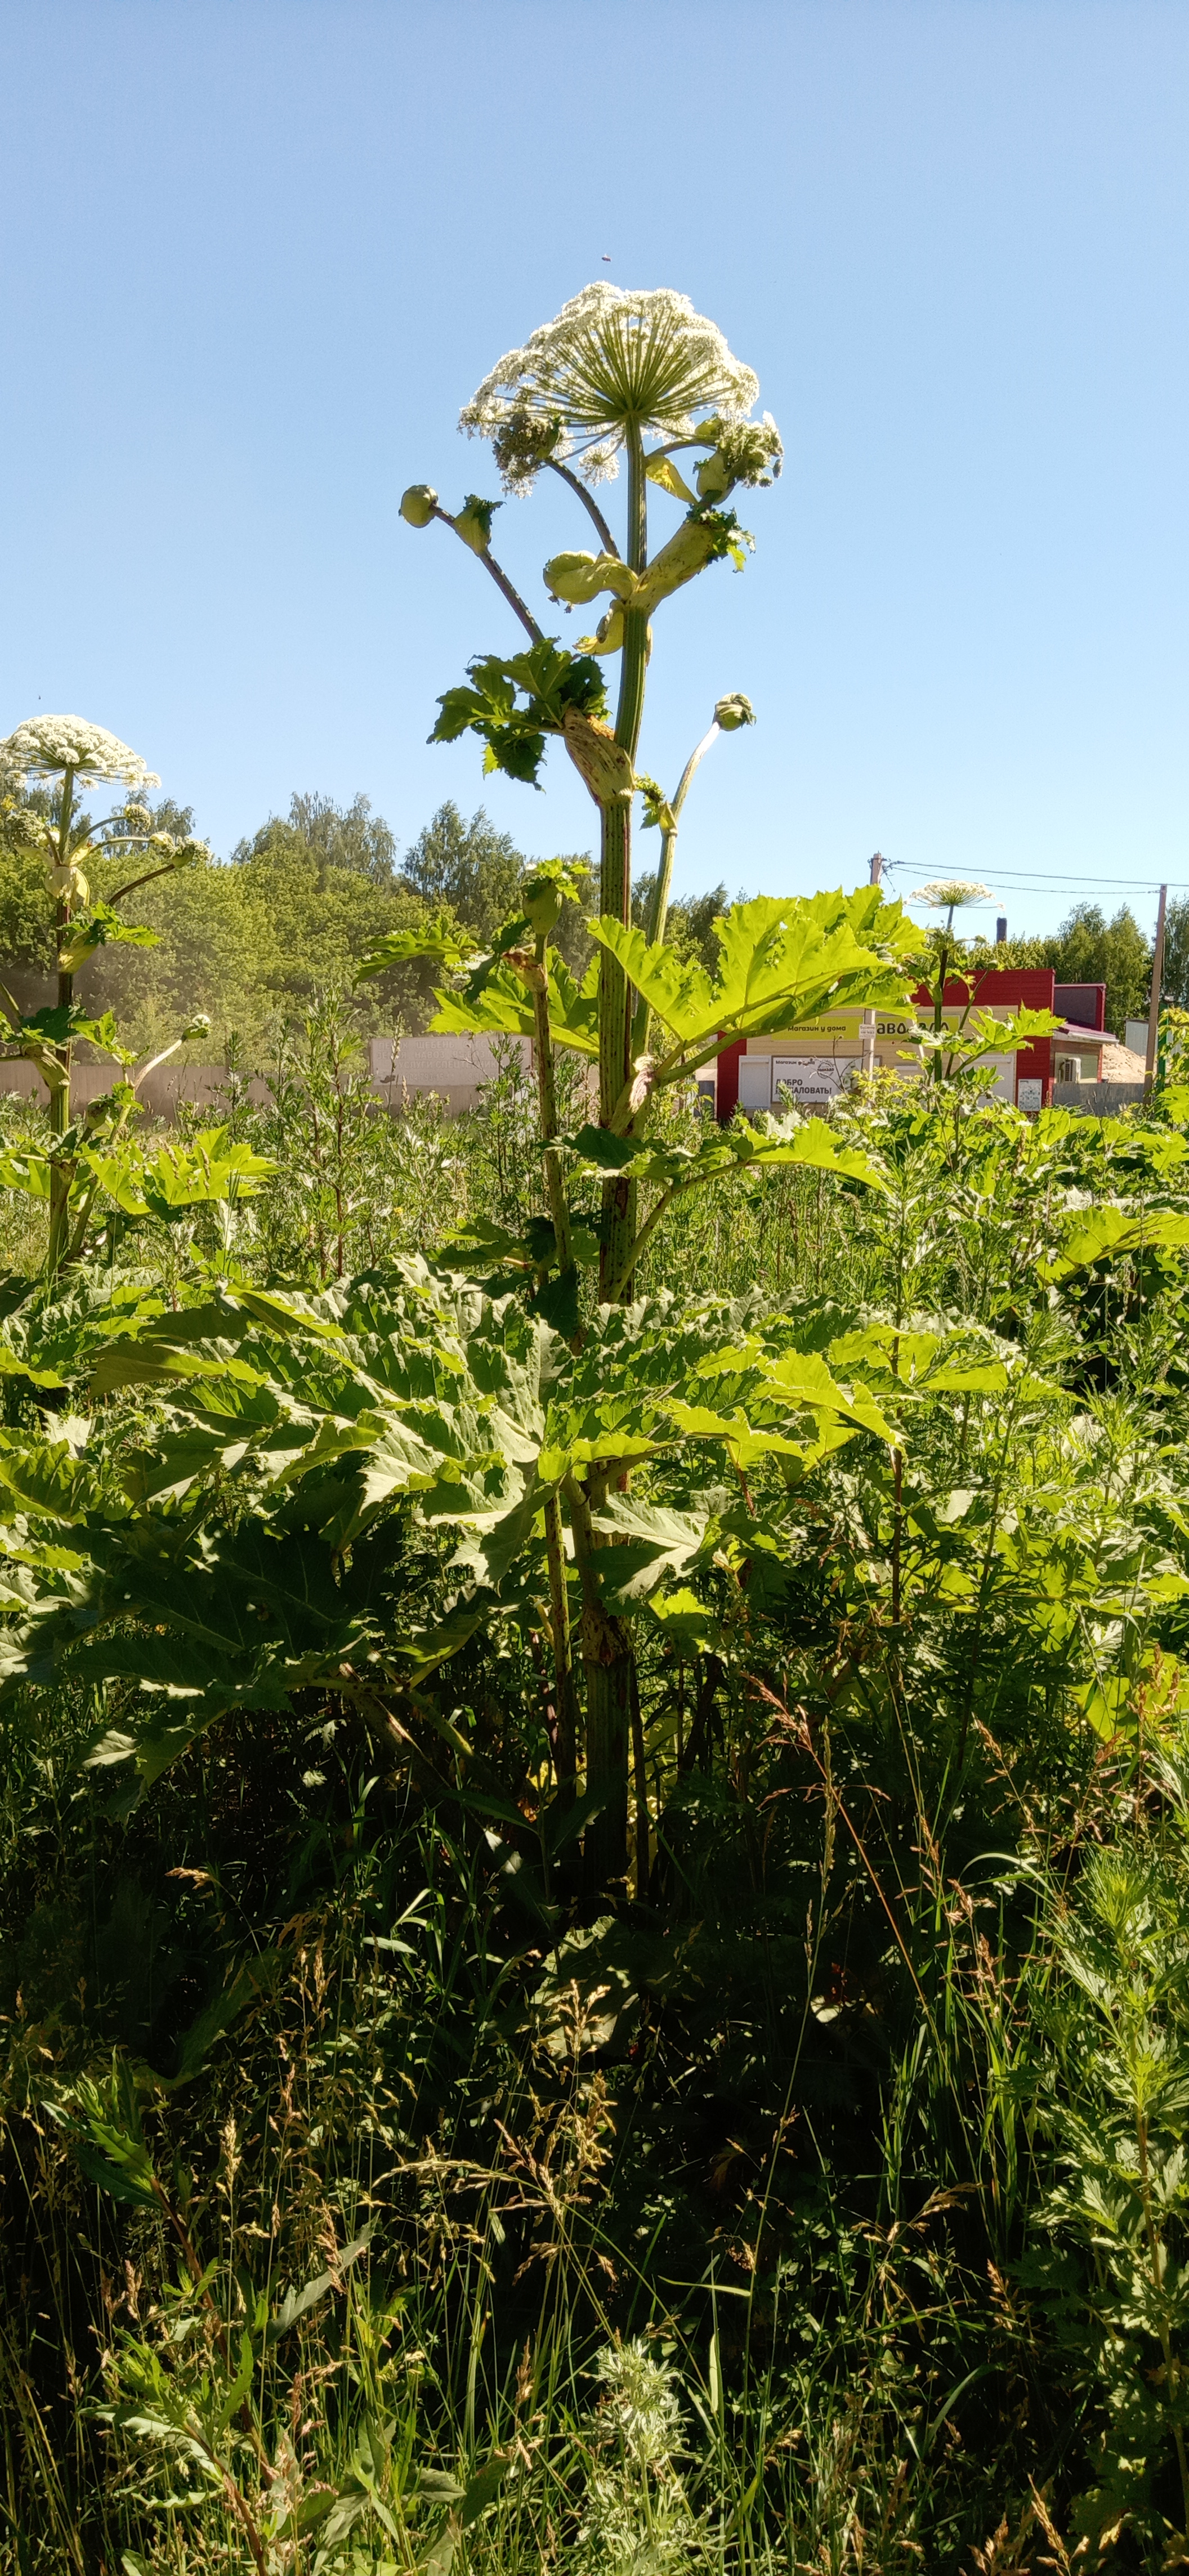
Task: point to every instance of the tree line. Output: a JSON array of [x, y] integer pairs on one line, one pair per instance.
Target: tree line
[[305, 897], [302, 900], [1089, 949]]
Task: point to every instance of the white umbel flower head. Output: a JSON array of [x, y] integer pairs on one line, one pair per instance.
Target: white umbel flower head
[[947, 894], [614, 358], [46, 745]]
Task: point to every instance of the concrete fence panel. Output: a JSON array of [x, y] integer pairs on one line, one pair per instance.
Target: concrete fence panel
[[453, 1069], [204, 1084], [1098, 1099]]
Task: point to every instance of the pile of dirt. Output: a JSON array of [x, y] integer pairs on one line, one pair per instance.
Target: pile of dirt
[[1119, 1064]]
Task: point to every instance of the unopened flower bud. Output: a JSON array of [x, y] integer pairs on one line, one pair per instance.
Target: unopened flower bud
[[69, 884], [542, 899], [473, 523], [713, 477], [745, 451], [199, 1026], [418, 504], [524, 964], [576, 579], [734, 711]]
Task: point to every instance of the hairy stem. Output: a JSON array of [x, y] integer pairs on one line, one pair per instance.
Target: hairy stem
[[565, 1696], [565, 1702], [60, 1093], [168, 868], [608, 1664], [1156, 2261], [615, 895], [547, 1104], [500, 578], [644, 1237], [659, 909], [640, 1773]]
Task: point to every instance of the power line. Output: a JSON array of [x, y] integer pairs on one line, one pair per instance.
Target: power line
[[1041, 881]]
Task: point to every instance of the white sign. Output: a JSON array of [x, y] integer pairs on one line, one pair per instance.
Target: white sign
[[808, 1078], [1029, 1091]]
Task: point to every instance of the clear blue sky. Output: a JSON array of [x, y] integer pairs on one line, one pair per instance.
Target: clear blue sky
[[257, 252]]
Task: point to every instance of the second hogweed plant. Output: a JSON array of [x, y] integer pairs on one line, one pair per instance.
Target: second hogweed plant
[[90, 1174]]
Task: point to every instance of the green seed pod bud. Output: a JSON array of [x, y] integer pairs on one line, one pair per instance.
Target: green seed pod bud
[[713, 477], [608, 634], [579, 578], [418, 504], [572, 578], [473, 523], [69, 884], [734, 711], [542, 899]]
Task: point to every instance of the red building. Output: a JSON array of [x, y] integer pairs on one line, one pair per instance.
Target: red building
[[814, 1061]]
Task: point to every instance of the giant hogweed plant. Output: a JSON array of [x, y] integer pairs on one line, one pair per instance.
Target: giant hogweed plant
[[961, 1050], [643, 377], [91, 1172]]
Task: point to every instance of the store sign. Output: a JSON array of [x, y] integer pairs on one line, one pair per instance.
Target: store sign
[[845, 1028], [809, 1077]]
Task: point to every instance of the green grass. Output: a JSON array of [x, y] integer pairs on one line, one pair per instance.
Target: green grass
[[748, 2221]]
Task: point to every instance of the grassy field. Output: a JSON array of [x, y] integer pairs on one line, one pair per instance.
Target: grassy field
[[376, 2198]]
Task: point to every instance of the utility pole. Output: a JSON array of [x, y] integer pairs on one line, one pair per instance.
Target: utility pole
[[867, 1059], [1154, 1001]]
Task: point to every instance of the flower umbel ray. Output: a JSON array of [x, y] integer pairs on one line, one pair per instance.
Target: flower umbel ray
[[613, 360]]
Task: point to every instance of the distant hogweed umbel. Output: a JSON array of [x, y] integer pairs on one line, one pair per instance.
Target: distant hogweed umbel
[[947, 894], [47, 745], [611, 361]]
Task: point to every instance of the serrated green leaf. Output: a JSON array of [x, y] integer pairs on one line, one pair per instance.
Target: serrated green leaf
[[780, 961]]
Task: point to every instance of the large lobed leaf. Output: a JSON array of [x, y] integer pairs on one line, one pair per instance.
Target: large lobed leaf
[[355, 1431], [514, 704], [504, 1007], [780, 961]]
